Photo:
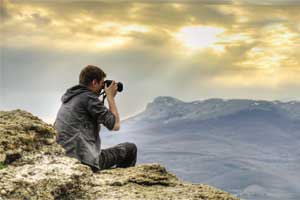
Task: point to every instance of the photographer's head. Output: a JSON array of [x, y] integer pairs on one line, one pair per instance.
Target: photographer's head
[[92, 77]]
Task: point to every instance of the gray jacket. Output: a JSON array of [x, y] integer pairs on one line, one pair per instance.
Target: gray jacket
[[78, 124]]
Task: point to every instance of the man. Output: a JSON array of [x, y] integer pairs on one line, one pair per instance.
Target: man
[[78, 123]]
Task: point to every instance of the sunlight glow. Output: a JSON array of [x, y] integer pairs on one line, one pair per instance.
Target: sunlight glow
[[111, 42], [198, 37]]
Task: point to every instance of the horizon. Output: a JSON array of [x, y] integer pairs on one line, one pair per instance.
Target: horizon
[[51, 121]]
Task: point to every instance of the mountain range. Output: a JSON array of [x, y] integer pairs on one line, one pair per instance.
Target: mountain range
[[247, 147]]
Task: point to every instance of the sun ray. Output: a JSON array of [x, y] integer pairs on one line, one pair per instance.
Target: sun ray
[[198, 37]]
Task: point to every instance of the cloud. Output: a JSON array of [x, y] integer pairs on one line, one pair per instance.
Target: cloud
[[46, 43], [92, 22]]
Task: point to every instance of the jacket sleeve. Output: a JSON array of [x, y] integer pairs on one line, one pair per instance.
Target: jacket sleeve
[[101, 113]]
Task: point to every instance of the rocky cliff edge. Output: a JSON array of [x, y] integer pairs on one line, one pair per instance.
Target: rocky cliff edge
[[34, 166]]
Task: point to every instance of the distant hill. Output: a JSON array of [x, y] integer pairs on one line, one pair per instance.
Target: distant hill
[[171, 109], [249, 147]]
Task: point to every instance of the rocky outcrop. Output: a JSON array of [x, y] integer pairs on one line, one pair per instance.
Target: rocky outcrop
[[36, 168], [23, 135]]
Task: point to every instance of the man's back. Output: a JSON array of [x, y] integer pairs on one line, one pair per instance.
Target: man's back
[[78, 124]]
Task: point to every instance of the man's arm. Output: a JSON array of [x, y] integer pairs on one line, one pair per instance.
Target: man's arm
[[114, 110], [100, 113]]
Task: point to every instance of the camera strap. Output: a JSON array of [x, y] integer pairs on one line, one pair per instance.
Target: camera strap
[[104, 96]]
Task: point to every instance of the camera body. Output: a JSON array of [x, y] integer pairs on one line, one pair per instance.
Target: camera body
[[120, 85]]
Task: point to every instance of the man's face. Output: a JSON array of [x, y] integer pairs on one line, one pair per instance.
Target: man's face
[[97, 86]]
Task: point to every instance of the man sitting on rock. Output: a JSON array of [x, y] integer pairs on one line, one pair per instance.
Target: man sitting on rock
[[78, 123]]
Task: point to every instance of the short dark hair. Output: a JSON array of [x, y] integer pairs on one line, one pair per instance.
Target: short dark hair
[[89, 73]]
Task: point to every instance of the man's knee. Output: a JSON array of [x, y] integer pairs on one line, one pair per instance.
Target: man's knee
[[131, 146]]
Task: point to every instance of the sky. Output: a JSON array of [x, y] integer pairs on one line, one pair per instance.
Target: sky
[[190, 50]]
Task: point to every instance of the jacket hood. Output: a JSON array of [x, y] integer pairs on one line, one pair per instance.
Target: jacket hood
[[74, 91]]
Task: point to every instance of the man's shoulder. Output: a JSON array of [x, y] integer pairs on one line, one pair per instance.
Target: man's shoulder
[[87, 96], [91, 101]]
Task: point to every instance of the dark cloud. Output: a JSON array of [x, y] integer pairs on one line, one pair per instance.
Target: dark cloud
[[160, 15], [4, 14]]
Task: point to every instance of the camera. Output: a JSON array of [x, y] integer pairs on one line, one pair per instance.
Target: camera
[[120, 85]]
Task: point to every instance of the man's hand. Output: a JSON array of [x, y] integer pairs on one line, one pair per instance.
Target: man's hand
[[112, 90]]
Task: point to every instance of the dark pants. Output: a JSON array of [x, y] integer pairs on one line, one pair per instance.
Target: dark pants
[[122, 155]]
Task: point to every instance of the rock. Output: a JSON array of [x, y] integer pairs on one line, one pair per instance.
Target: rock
[[149, 181], [59, 177], [23, 134], [38, 169], [48, 177]]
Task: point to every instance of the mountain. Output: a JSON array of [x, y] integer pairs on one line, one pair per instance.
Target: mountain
[[247, 147], [171, 109]]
